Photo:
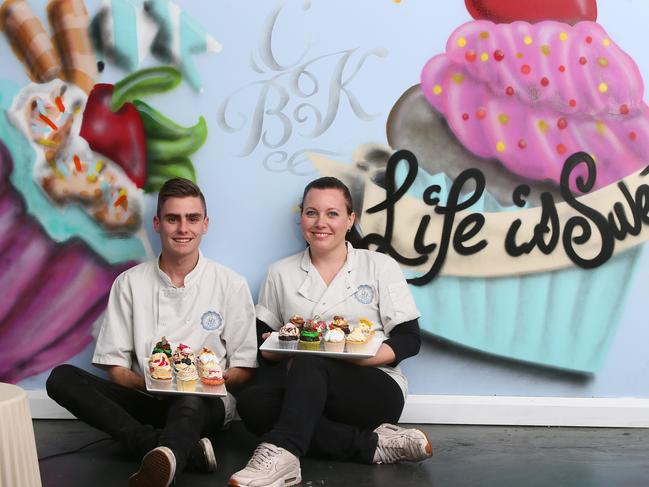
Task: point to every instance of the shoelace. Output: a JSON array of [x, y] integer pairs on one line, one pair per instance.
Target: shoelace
[[262, 458], [397, 448]]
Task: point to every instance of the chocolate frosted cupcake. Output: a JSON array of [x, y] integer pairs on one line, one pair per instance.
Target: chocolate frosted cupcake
[[297, 320], [288, 336], [340, 323]]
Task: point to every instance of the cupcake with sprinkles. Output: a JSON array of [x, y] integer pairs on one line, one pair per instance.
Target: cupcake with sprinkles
[[514, 95]]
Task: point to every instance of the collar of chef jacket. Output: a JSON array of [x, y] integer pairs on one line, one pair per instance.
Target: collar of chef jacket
[[190, 279], [343, 285]]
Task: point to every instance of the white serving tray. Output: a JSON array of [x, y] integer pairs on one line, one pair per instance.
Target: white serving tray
[[170, 387], [272, 344]]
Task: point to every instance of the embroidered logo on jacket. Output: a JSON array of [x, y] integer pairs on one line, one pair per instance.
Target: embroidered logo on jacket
[[364, 294], [211, 320]]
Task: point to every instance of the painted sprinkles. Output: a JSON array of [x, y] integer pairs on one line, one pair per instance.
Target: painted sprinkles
[[546, 89]]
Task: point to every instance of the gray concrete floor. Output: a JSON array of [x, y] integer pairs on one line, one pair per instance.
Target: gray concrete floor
[[482, 456]]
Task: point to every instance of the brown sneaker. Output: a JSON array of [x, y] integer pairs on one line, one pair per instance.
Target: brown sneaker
[[157, 469]]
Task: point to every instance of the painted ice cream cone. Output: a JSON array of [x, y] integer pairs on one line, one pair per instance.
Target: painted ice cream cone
[[29, 40], [70, 22]]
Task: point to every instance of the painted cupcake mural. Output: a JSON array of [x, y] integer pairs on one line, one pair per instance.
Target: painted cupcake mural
[[518, 91], [76, 159]]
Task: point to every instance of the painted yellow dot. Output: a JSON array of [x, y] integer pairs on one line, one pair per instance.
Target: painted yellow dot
[[593, 157], [527, 40], [543, 126], [461, 42], [545, 49], [458, 78], [603, 62], [484, 57], [519, 55], [601, 127], [502, 118], [563, 36], [603, 87], [484, 35], [437, 89], [500, 146], [606, 42]]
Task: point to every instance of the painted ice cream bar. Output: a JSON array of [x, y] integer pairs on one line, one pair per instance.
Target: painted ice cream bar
[[530, 95]]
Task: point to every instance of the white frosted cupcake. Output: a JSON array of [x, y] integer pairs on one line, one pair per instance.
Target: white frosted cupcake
[[334, 340]]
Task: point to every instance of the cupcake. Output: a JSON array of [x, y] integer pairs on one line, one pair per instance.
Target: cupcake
[[513, 100], [209, 370], [297, 320], [184, 362], [160, 367], [70, 211], [340, 323], [356, 340], [365, 326], [334, 340], [309, 339], [316, 324], [163, 346], [288, 336]]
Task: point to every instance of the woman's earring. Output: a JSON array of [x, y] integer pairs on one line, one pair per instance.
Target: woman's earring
[[349, 230]]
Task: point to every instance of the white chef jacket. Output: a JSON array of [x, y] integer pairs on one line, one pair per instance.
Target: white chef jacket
[[370, 285], [213, 309]]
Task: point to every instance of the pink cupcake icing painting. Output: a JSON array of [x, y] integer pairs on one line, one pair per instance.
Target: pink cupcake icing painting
[[529, 95]]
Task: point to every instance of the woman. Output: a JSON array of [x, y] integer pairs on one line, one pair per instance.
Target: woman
[[331, 407]]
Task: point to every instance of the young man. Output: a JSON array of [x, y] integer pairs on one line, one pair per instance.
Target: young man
[[188, 299]]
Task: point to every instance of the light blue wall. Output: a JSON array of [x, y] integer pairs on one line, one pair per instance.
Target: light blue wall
[[252, 209]]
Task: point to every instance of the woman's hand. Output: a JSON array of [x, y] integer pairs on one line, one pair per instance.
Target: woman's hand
[[384, 356]]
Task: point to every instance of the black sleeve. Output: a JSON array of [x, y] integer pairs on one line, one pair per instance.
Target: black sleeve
[[404, 340], [261, 329]]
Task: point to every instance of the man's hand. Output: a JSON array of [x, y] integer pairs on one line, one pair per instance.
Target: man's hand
[[125, 377], [236, 376]]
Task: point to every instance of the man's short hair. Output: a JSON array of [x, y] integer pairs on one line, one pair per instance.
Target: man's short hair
[[179, 188]]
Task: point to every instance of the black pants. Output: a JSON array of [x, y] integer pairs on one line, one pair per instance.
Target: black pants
[[321, 406], [138, 420]]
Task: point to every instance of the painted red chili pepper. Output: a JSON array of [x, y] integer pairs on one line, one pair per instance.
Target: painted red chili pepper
[[117, 135]]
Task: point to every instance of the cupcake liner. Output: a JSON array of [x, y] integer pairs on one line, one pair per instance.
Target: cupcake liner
[[356, 347], [313, 346], [564, 319], [334, 346], [288, 344], [213, 381], [186, 385]]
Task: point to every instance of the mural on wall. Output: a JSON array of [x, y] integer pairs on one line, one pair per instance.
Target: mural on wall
[[533, 108], [76, 158], [509, 181]]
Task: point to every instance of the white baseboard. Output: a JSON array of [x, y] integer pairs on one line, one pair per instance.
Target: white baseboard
[[527, 411], [477, 410]]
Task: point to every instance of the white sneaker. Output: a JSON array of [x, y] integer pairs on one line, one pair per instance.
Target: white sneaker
[[269, 466], [399, 444], [157, 469], [202, 456]]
